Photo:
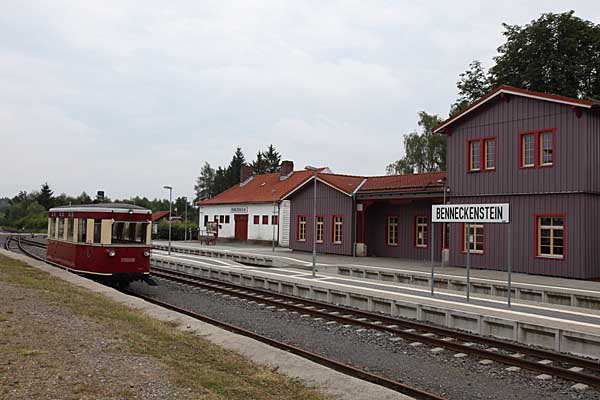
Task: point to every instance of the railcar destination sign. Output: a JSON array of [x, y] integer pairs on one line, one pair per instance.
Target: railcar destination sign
[[472, 213]]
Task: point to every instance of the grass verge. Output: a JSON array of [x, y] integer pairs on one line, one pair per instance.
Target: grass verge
[[193, 363]]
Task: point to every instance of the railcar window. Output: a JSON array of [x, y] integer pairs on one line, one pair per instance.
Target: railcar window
[[82, 231], [52, 231], [61, 228], [129, 232], [97, 230], [70, 228]]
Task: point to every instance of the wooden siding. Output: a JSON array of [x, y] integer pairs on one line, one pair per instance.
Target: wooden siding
[[376, 226], [582, 216], [576, 167], [330, 202]]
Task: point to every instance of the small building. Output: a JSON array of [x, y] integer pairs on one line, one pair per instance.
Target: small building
[[376, 216], [541, 154], [254, 209]]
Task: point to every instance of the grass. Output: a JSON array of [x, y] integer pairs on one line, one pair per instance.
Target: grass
[[209, 371]]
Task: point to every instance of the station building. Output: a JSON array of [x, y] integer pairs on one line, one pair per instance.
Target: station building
[[541, 154], [254, 209]]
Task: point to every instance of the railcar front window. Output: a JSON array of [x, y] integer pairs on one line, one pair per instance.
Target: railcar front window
[[61, 228], [97, 230], [129, 232], [82, 231]]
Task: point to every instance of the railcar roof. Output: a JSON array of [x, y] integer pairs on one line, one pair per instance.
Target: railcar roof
[[103, 207]]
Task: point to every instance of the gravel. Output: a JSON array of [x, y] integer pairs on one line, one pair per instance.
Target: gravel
[[440, 372]]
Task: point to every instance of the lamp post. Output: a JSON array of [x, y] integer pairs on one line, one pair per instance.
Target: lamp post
[[185, 224], [314, 241], [444, 182], [170, 189], [273, 217]]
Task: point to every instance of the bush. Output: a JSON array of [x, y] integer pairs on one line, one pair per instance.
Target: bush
[[177, 231]]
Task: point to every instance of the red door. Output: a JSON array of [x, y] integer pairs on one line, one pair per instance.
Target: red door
[[241, 226]]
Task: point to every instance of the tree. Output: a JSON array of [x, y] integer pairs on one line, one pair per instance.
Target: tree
[[425, 151], [221, 182], [204, 186], [45, 198], [472, 84], [233, 170], [273, 159], [260, 165], [557, 53]]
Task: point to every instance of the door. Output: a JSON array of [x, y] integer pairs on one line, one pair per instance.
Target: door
[[241, 226]]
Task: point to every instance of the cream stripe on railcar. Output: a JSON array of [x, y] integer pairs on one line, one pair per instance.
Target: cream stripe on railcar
[[49, 226], [106, 232], [56, 228], [149, 233], [75, 229], [89, 232], [65, 228]]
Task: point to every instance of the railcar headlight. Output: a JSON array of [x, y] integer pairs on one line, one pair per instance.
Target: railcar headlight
[[111, 253], [147, 253]]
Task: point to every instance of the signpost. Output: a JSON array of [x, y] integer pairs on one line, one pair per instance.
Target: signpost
[[497, 213]]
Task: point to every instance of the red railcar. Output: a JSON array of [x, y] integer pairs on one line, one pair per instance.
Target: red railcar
[[111, 242]]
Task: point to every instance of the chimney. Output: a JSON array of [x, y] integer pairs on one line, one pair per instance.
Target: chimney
[[246, 173], [286, 168]]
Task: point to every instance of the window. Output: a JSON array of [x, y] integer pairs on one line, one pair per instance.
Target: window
[[476, 238], [52, 228], [445, 236], [129, 232], [487, 160], [392, 231], [256, 219], [301, 234], [474, 155], [227, 219], [320, 229], [82, 231], [550, 236], [70, 228], [205, 220], [546, 139], [489, 154], [421, 231], [61, 228], [274, 220], [537, 149], [265, 220], [97, 230], [221, 219], [528, 150], [337, 229]]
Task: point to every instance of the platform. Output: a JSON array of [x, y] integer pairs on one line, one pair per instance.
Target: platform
[[542, 289], [558, 328]]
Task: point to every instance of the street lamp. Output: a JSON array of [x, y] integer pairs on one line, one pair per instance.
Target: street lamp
[[170, 189], [444, 182], [185, 225], [272, 217], [314, 241]]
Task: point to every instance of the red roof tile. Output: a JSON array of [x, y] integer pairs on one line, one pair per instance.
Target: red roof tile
[[159, 214], [587, 103], [260, 189], [403, 183]]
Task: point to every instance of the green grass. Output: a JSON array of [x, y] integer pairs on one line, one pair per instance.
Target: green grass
[[209, 371]]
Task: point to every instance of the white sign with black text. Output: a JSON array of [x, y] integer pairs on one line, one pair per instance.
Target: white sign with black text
[[471, 213]]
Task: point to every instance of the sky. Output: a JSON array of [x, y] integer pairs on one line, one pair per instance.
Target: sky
[[129, 96]]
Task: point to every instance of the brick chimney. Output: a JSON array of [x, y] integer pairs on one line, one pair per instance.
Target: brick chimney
[[286, 168], [246, 173]]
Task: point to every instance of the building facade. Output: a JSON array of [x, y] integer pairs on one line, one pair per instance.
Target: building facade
[[539, 153]]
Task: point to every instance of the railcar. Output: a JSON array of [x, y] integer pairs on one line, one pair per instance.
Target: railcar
[[109, 242]]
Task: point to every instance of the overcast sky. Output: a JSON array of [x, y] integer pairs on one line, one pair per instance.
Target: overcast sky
[[127, 96]]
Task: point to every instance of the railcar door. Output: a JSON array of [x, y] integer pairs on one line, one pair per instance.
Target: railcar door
[[241, 226]]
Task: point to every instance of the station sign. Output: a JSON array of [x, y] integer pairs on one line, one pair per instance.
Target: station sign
[[239, 210], [471, 213]]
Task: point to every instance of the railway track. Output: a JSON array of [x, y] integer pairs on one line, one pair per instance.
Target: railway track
[[328, 362], [560, 365]]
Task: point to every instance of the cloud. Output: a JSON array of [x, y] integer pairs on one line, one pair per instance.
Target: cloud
[[127, 96]]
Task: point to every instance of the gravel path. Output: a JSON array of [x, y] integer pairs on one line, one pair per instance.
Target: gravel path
[[442, 373]]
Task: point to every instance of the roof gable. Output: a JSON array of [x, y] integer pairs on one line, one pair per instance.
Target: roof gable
[[510, 90]]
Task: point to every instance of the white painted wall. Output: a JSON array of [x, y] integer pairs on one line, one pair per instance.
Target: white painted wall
[[255, 231]]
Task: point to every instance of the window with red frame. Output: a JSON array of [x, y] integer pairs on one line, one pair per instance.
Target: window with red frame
[[265, 220], [337, 229], [301, 230], [320, 229], [474, 237], [537, 149], [550, 236], [392, 231], [421, 231], [482, 155], [275, 220], [256, 219]]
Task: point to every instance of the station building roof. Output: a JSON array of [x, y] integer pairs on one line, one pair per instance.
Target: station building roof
[[429, 181]]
